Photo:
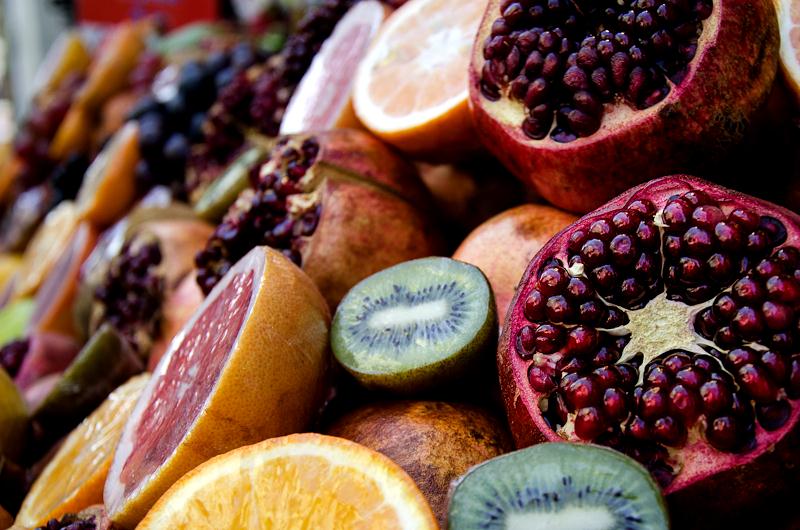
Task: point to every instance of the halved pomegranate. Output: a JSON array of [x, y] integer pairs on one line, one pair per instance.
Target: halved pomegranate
[[666, 324], [583, 99]]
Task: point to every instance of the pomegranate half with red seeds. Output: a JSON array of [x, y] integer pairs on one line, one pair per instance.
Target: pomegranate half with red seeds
[[340, 204], [584, 99], [666, 324]]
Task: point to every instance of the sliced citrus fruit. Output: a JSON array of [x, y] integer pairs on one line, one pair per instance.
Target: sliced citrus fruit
[[109, 186], [411, 88], [56, 296], [249, 365], [298, 481], [322, 99], [109, 73], [73, 480], [73, 135], [789, 19], [10, 264], [46, 247], [67, 55]]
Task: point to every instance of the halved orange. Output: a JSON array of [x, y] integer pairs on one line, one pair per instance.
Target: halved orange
[[298, 481], [789, 19], [411, 88], [74, 478]]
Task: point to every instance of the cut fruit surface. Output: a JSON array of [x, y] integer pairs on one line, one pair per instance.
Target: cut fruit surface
[[298, 481], [46, 247], [411, 88], [249, 365], [558, 486], [415, 325], [789, 23], [73, 480], [14, 319], [109, 185], [322, 99]]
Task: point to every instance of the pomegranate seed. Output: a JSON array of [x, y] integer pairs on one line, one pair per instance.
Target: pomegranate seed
[[590, 313], [548, 338], [540, 380], [593, 252], [567, 380], [716, 397], [534, 306], [628, 375], [707, 216], [676, 215], [744, 218], [773, 416], [657, 375], [684, 403], [582, 340], [526, 342], [625, 221], [690, 377], [668, 431], [723, 433], [783, 289], [748, 323], [576, 240], [583, 392], [553, 280], [789, 257], [676, 362], [741, 356], [606, 376], [615, 404], [725, 307], [777, 316], [572, 364], [579, 289], [653, 403], [756, 382], [589, 423], [559, 309], [647, 234], [638, 428], [728, 236], [606, 356], [704, 363]]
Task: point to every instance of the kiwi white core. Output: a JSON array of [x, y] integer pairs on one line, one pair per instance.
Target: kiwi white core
[[570, 518], [404, 315]]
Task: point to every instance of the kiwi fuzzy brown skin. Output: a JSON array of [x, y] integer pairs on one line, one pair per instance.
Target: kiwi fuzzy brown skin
[[434, 442]]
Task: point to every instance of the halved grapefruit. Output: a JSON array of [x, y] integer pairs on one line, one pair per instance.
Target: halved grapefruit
[[322, 99], [249, 365]]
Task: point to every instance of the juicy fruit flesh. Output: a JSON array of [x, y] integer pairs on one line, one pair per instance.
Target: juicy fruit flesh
[[277, 211], [186, 381], [563, 60], [659, 325], [570, 487], [298, 481], [413, 314]]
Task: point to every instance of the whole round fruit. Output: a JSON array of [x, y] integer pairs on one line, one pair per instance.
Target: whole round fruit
[[434, 442], [340, 204], [665, 325], [582, 100], [504, 245], [250, 365]]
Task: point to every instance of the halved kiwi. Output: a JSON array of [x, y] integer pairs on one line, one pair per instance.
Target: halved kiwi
[[558, 486], [416, 325]]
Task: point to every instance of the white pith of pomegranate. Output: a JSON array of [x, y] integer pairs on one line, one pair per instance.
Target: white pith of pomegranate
[[665, 324], [183, 380]]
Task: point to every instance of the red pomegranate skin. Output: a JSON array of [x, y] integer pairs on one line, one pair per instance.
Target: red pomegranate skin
[[700, 121], [717, 488]]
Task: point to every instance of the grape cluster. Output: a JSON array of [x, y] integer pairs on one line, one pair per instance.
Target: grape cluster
[[171, 117]]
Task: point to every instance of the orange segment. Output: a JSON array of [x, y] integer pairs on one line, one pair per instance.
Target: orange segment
[[298, 481], [73, 480], [411, 88], [789, 19], [109, 186]]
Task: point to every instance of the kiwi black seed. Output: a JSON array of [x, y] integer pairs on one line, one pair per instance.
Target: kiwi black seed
[[416, 326], [558, 486]]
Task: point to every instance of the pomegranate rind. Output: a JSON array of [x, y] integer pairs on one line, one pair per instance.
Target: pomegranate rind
[[692, 129], [705, 485], [522, 232], [272, 382]]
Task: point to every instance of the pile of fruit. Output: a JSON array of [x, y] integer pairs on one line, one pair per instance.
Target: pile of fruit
[[334, 275]]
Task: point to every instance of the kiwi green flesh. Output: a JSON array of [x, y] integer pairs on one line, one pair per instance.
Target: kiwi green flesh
[[415, 325], [104, 363], [558, 486], [220, 194]]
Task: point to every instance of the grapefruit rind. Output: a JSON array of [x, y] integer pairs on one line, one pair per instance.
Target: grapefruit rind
[[270, 384]]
